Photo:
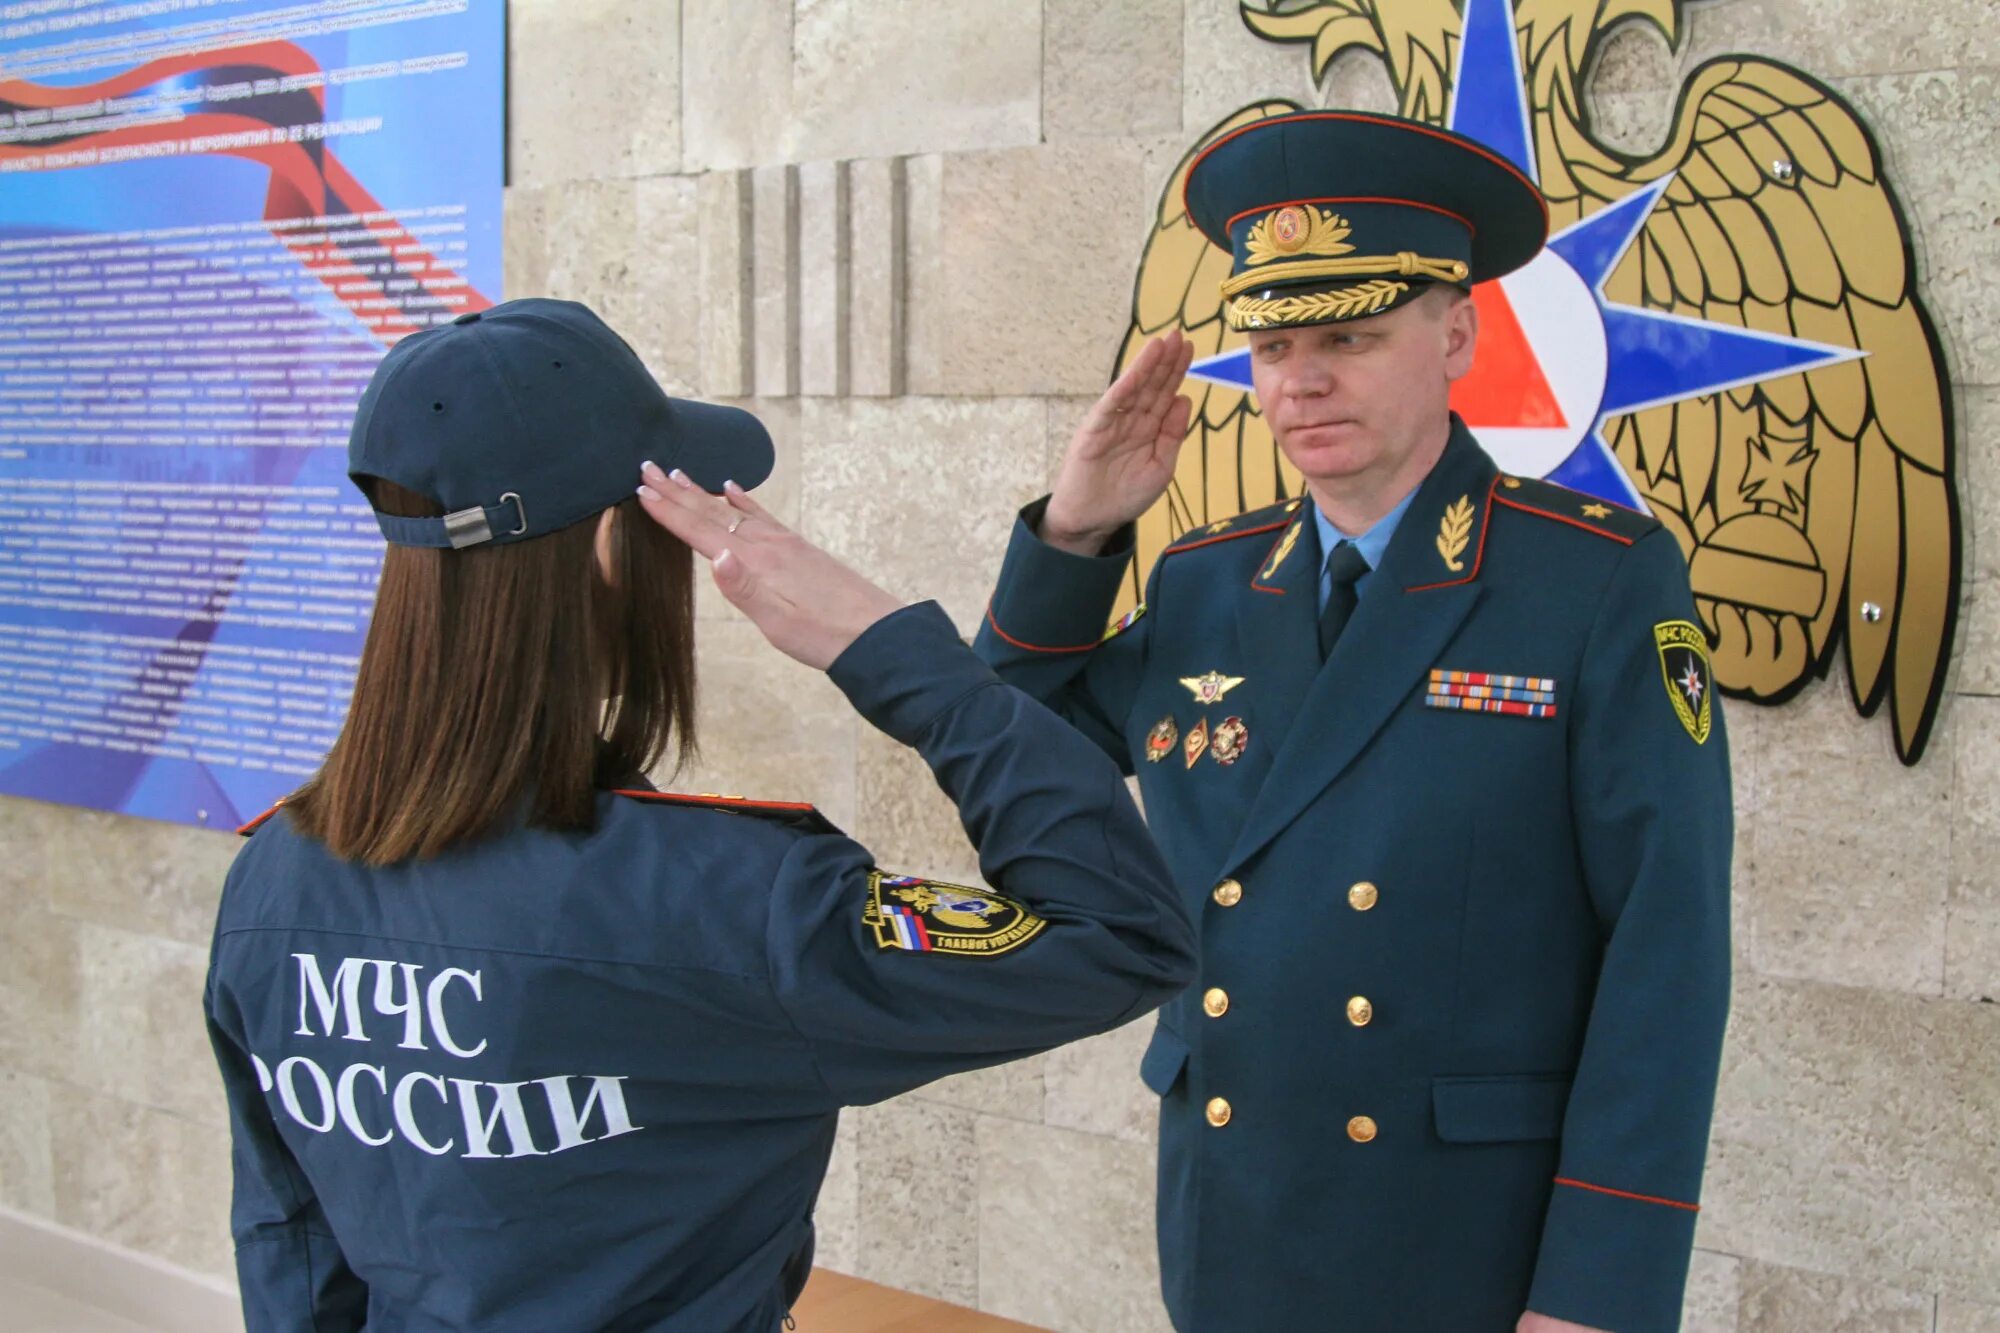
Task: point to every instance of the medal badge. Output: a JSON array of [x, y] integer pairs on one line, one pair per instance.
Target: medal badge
[[1230, 739], [1210, 688], [1196, 742], [1162, 739]]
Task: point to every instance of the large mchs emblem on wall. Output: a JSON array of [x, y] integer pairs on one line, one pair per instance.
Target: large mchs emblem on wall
[[1726, 334]]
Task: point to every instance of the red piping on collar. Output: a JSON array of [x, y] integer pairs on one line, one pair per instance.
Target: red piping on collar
[[1478, 556], [1254, 578]]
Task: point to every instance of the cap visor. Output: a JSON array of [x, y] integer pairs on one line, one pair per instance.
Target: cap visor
[[714, 444]]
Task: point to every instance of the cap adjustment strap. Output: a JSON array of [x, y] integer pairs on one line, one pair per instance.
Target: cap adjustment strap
[[459, 529], [1405, 264]]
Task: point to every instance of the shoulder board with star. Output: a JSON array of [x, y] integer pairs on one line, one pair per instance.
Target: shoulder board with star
[[1546, 499], [259, 821], [1268, 519], [799, 815]]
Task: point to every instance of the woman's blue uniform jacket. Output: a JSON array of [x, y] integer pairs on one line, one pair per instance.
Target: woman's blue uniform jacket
[[583, 1081], [1463, 898]]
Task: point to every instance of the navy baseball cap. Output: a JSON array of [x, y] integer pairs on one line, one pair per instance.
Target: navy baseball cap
[[530, 416]]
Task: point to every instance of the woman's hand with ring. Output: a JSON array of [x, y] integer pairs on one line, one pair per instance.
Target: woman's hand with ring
[[808, 604]]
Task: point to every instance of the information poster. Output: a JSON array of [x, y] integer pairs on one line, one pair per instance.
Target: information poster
[[215, 217]]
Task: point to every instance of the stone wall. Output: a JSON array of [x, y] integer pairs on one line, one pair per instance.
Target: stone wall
[[905, 232]]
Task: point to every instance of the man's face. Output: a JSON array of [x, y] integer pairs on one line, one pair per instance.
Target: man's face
[[1359, 398]]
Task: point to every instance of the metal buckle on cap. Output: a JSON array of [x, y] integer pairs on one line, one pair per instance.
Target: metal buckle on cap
[[471, 527], [520, 509], [467, 527]]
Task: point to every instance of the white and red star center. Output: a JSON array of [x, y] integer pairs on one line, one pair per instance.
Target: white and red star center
[[1556, 358], [1691, 684]]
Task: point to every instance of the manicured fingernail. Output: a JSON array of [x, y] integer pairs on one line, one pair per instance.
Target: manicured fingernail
[[651, 471], [648, 493], [732, 488], [681, 479]]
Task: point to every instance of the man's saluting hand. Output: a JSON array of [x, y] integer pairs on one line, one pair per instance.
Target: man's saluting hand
[[1122, 456]]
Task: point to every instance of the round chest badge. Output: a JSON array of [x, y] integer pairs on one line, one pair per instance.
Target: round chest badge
[[1229, 740]]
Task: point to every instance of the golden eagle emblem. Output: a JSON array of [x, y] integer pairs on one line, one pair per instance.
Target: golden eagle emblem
[[1817, 508]]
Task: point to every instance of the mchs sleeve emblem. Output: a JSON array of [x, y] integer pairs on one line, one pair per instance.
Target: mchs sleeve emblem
[[923, 916]]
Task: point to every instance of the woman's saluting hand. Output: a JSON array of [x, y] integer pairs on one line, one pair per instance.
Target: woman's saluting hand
[[808, 604]]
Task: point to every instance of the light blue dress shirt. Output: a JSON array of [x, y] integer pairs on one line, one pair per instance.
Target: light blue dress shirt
[[1372, 545]]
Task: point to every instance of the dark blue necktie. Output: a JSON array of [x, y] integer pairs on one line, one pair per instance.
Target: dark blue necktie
[[1345, 566]]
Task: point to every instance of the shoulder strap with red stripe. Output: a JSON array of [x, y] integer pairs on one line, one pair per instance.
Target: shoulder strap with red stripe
[[259, 821], [1545, 499], [1268, 519], [796, 813]]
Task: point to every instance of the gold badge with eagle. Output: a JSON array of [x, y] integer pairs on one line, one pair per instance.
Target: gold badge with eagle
[[1748, 356], [924, 916]]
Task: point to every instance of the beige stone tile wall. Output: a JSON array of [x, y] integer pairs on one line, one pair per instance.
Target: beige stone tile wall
[[905, 232]]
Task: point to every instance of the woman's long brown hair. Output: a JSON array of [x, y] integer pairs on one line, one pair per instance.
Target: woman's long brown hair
[[481, 697]]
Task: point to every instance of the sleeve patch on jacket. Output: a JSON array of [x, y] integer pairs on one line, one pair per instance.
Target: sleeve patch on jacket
[[1125, 622], [924, 916], [1690, 678]]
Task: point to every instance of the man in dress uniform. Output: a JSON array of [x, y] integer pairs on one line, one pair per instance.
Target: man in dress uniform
[[1433, 753]]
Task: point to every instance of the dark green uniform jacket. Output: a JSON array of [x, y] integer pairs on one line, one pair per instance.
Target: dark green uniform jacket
[[1463, 894]]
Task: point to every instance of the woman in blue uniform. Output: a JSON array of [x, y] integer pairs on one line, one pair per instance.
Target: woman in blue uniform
[[512, 1041]]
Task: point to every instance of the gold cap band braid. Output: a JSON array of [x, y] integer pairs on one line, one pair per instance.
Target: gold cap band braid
[[1368, 298], [1404, 264]]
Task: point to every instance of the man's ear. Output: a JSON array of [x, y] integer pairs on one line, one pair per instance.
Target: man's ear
[[1461, 334], [607, 564]]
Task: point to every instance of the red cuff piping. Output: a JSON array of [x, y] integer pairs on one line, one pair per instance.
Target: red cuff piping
[[1626, 1194], [1033, 647]]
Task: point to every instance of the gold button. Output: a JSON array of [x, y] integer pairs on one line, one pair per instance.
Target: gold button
[[1218, 1112], [1360, 1012], [1363, 896], [1229, 893], [1512, 483], [1215, 1003], [1361, 1129]]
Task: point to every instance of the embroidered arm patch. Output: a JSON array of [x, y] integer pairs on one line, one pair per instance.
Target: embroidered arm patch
[[1690, 678], [924, 916], [1124, 622]]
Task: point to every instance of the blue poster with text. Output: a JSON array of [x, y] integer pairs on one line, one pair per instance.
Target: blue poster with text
[[215, 217]]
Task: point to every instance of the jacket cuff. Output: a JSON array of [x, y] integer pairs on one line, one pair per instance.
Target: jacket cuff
[[1050, 601], [1613, 1260], [906, 669]]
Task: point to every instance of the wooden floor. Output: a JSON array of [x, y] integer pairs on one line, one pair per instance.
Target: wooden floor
[[836, 1303]]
